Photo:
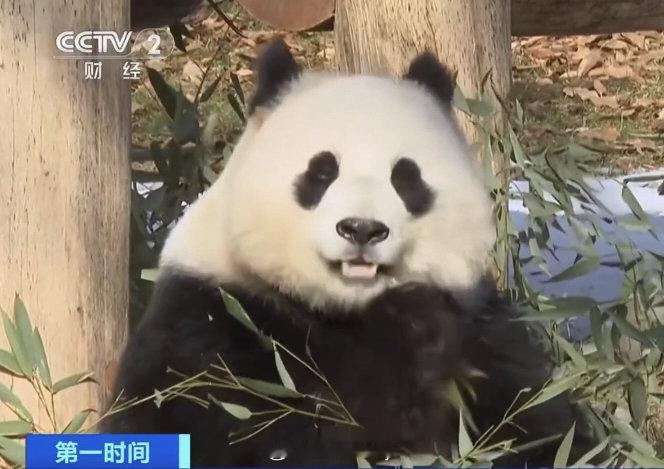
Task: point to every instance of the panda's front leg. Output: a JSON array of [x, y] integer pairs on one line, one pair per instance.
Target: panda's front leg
[[395, 366]]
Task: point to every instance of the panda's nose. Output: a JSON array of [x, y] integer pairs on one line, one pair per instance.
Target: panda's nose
[[362, 231]]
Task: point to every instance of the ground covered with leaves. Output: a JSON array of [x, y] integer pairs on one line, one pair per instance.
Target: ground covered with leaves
[[212, 44], [605, 92]]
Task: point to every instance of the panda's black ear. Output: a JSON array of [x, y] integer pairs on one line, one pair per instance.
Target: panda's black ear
[[275, 67], [427, 70]]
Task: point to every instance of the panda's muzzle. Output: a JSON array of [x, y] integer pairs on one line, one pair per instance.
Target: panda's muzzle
[[362, 233]]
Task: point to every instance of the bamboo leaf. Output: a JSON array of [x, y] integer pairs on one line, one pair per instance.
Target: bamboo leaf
[[16, 346], [586, 458], [638, 401], [479, 108], [151, 275], [235, 104], [633, 438], [14, 403], [519, 155], [77, 422], [459, 101], [168, 96], [571, 352], [24, 329], [31, 342], [465, 443], [235, 309], [552, 390], [12, 451], [283, 373], [186, 127], [583, 267], [237, 411], [9, 363], [630, 331], [534, 444], [269, 389], [179, 31], [560, 308], [238, 88], [562, 455], [42, 361], [71, 381], [362, 462], [15, 428], [644, 460], [633, 203], [634, 224], [207, 94]]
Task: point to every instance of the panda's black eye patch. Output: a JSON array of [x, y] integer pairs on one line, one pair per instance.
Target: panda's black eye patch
[[311, 185], [407, 181]]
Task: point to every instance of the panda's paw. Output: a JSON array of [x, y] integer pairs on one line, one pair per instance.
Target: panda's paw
[[429, 327]]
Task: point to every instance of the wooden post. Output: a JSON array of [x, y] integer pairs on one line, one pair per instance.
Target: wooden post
[[564, 17], [64, 197], [472, 37]]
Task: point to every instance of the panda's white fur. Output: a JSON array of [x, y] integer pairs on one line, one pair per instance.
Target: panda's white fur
[[248, 229]]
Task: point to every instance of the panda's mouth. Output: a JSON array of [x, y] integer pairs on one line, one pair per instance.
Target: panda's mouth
[[358, 269]]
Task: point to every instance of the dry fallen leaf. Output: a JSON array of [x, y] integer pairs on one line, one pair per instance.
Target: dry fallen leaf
[[640, 144], [615, 44], [248, 41], [604, 134], [658, 125], [192, 72], [155, 64], [210, 22], [650, 57], [592, 96], [244, 72], [618, 71], [569, 74], [643, 103], [589, 62], [585, 40], [540, 52], [599, 87], [638, 39]]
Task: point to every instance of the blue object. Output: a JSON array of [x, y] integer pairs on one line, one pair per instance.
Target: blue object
[[97, 451]]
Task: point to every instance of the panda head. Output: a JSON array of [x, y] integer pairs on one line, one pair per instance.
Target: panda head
[[340, 188]]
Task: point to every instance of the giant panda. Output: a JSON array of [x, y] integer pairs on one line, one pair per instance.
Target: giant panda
[[351, 226]]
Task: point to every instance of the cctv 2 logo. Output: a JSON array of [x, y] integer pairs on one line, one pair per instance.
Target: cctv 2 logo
[[111, 44]]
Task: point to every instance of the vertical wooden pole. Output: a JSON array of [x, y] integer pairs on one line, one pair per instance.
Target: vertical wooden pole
[[64, 196], [471, 36]]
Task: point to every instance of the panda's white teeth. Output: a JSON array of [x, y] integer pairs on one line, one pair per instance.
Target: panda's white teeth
[[358, 271]]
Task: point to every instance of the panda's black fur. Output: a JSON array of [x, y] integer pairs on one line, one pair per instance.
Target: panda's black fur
[[390, 362], [384, 364]]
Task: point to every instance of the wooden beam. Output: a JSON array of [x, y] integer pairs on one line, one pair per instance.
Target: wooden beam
[[567, 17], [291, 15], [529, 17]]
